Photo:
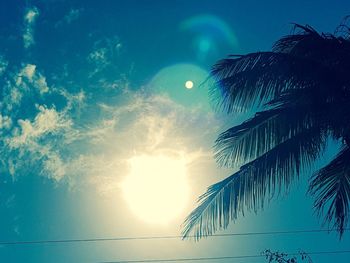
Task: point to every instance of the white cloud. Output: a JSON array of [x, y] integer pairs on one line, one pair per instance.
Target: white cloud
[[29, 20], [28, 71], [46, 121], [143, 124], [150, 122], [97, 147], [27, 81], [15, 98], [74, 101], [54, 166], [39, 142], [3, 65], [72, 15], [99, 56], [31, 15], [41, 84], [104, 54], [5, 122], [34, 77], [99, 170], [11, 167]]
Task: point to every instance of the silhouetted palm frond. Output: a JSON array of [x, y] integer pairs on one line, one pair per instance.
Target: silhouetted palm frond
[[252, 79], [248, 188], [343, 30], [263, 132], [331, 188], [289, 114], [307, 59]]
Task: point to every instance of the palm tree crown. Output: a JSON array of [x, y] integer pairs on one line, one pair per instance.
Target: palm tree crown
[[303, 90]]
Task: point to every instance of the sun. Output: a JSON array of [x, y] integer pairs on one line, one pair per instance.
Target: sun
[[156, 188]]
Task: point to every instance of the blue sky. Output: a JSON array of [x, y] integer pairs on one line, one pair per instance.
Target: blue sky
[[87, 85]]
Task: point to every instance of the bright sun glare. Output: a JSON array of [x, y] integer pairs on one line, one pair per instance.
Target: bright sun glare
[[156, 188], [189, 84]]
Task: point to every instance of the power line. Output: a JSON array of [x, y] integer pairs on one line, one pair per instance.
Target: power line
[[52, 241], [219, 258], [183, 259]]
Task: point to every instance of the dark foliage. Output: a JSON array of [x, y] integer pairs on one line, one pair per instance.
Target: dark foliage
[[303, 89], [281, 257]]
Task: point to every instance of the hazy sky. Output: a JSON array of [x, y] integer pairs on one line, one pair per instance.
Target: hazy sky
[[88, 86]]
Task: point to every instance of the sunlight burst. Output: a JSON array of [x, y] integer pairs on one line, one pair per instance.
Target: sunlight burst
[[156, 188]]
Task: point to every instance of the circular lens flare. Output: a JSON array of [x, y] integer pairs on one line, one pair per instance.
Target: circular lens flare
[[189, 84]]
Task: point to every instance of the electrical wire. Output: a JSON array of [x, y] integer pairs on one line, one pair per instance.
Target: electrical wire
[[53, 241], [220, 258]]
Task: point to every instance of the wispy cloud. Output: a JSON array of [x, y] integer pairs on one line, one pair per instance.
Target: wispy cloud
[[28, 80], [32, 133], [5, 123], [71, 16], [89, 134], [94, 148], [14, 87], [104, 54], [30, 72], [47, 121], [30, 17], [27, 72], [143, 124], [3, 64], [40, 140]]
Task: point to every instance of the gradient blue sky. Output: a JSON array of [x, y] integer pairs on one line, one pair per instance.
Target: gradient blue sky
[[87, 85]]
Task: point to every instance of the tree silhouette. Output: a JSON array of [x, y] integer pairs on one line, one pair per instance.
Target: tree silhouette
[[302, 91], [281, 257]]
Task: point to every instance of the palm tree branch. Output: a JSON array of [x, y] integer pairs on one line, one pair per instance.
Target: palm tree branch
[[249, 80], [248, 188], [331, 188], [327, 49], [291, 114]]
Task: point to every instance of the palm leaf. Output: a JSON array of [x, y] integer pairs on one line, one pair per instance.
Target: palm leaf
[[247, 81], [331, 188], [328, 50], [291, 113], [304, 59], [255, 182], [301, 34], [248, 140]]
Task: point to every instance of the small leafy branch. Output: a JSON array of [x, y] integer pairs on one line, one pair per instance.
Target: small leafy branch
[[281, 257]]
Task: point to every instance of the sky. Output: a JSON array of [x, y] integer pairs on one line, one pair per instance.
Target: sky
[[93, 90]]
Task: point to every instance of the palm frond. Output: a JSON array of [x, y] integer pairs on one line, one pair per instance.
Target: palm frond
[[244, 82], [291, 113], [259, 134], [328, 50], [343, 30], [256, 181], [303, 59], [331, 188], [248, 140], [300, 34]]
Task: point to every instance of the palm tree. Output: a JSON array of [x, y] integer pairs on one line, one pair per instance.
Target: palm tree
[[302, 91]]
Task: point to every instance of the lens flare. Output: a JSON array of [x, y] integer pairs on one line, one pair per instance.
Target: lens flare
[[189, 84], [171, 81]]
